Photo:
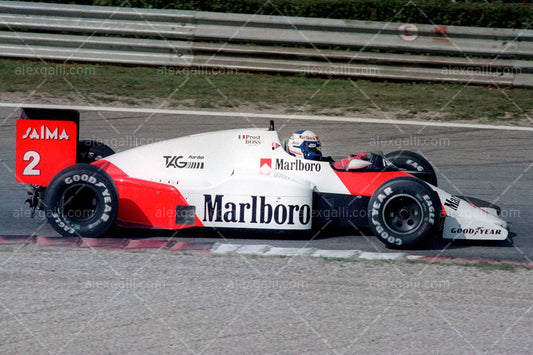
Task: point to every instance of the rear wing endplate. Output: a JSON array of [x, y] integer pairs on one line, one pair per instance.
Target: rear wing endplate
[[47, 141]]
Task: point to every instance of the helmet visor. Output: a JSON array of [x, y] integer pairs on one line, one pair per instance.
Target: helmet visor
[[311, 150]]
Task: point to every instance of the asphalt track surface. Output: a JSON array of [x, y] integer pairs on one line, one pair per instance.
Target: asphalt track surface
[[493, 165]]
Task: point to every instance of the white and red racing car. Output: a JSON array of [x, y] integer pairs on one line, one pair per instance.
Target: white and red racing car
[[253, 184]]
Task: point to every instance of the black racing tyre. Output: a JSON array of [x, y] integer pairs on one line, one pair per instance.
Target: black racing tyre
[[404, 212], [89, 151], [81, 200], [413, 163]]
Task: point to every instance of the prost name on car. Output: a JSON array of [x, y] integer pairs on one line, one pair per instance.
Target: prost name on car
[[256, 210]]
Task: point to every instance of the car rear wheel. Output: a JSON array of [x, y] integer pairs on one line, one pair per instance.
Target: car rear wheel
[[81, 200], [89, 151], [404, 212], [413, 163]]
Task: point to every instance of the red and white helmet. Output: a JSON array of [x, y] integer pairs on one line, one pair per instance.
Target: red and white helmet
[[304, 144]]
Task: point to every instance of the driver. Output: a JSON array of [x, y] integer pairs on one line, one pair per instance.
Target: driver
[[304, 144]]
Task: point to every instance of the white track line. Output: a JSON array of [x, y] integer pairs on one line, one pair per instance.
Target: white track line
[[268, 116]]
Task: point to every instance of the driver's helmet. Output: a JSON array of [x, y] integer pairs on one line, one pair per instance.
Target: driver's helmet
[[304, 144]]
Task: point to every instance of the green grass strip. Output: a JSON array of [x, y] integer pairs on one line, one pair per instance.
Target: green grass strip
[[240, 91]]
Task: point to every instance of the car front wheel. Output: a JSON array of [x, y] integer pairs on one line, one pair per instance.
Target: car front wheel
[[404, 212]]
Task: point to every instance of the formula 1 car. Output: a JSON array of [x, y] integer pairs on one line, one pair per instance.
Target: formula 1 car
[[253, 184]]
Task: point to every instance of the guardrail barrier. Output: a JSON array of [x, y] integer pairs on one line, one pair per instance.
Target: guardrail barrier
[[373, 50]]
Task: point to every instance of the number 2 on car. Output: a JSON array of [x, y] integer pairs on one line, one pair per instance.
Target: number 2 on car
[[43, 148]]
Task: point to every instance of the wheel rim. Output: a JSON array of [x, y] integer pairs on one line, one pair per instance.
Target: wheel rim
[[79, 203], [403, 214]]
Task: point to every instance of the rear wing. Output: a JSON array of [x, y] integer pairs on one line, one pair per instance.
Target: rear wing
[[47, 141]]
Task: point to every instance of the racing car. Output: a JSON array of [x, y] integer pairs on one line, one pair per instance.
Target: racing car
[[255, 184]]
